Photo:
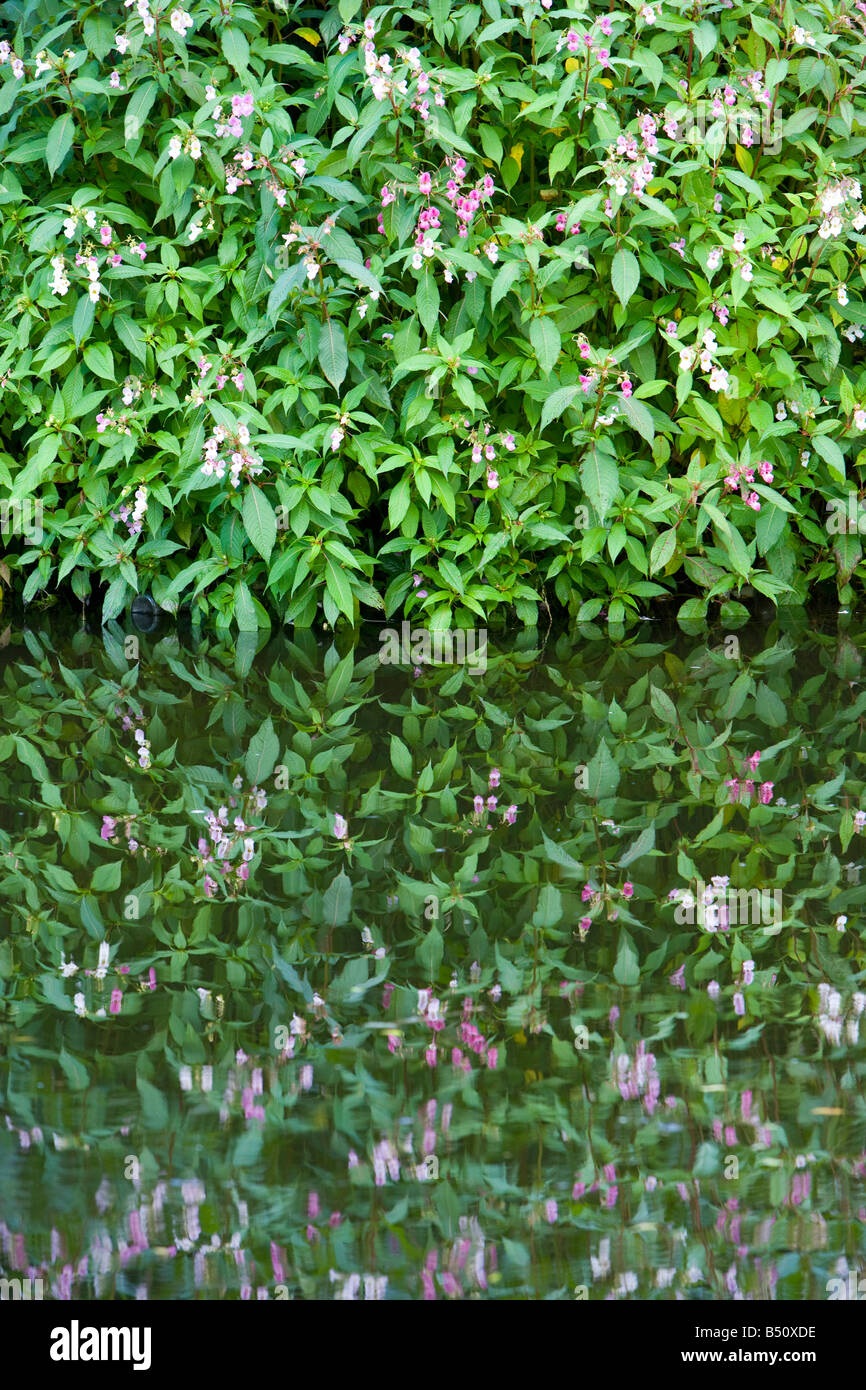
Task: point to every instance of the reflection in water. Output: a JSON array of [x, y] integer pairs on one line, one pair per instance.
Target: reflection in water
[[328, 978]]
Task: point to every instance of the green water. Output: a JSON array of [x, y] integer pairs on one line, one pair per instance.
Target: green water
[[243, 1101]]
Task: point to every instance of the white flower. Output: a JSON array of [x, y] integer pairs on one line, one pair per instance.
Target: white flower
[[719, 379], [841, 295], [180, 21], [174, 147], [746, 271], [80, 1005]]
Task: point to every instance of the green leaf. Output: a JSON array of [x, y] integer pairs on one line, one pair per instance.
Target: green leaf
[[830, 452], [333, 353], [626, 971], [260, 521], [549, 910], [662, 549], [602, 774], [546, 343], [106, 879], [59, 141], [401, 759], [600, 478], [337, 900], [75, 1072], [557, 402], [262, 754], [338, 586], [663, 706], [154, 1108], [82, 319], [624, 275], [427, 299], [638, 416], [99, 359], [236, 49]]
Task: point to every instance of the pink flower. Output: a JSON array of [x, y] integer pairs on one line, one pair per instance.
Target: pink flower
[[494, 778], [511, 815], [116, 1001], [765, 793], [341, 827], [492, 1057], [492, 479], [425, 183], [739, 1004], [603, 56], [105, 235], [628, 890], [551, 1212]]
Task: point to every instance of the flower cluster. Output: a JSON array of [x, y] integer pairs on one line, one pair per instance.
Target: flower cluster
[[703, 354], [225, 841], [230, 449], [384, 81], [742, 476], [637, 1078], [8, 55], [832, 1014], [628, 168], [134, 516], [841, 202]]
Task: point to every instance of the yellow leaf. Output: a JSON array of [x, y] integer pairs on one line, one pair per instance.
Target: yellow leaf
[[516, 153], [744, 159], [606, 82], [310, 35], [520, 1038], [571, 65], [780, 263], [653, 188]]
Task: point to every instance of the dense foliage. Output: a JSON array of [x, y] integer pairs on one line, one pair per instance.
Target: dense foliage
[[458, 309], [228, 1050]]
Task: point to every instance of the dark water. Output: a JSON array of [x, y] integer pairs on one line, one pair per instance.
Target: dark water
[[448, 1052]]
